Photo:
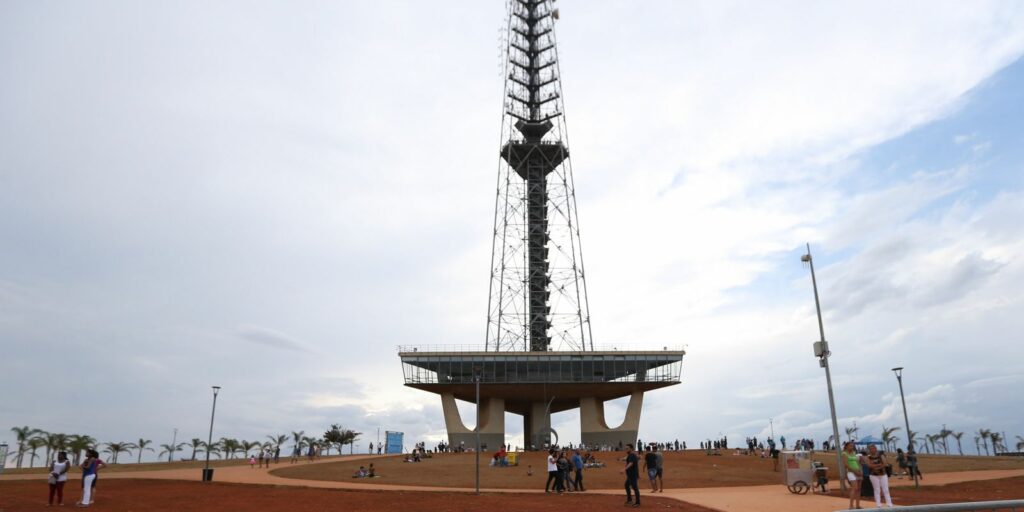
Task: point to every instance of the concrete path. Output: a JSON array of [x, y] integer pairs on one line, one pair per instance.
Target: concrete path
[[727, 499]]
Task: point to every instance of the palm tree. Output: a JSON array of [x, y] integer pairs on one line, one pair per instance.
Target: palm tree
[[888, 439], [984, 434], [142, 446], [977, 444], [932, 438], [114, 449], [997, 442], [77, 444], [911, 438], [957, 436], [195, 444], [298, 440], [944, 435], [22, 436], [34, 444], [850, 431], [1020, 444], [169, 449], [278, 440], [247, 446], [229, 446], [55, 442], [47, 442]]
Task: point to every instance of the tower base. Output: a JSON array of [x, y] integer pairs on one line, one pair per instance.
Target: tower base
[[595, 431]]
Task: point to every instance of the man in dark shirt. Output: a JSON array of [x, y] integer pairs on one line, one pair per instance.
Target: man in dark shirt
[[632, 472], [651, 467]]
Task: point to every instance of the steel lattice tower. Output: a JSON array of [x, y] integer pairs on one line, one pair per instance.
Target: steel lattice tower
[[538, 295]]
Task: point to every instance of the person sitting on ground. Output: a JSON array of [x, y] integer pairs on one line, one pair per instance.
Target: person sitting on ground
[[371, 472], [361, 473]]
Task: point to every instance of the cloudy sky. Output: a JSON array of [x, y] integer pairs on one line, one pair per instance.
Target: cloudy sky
[[271, 196]]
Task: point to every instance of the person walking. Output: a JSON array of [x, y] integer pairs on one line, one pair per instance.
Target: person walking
[[852, 462], [651, 467], [261, 458], [660, 463], [563, 472], [552, 471], [879, 479], [58, 477], [577, 462], [632, 472], [912, 463]]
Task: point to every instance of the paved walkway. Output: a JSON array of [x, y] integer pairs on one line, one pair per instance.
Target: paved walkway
[[727, 499]]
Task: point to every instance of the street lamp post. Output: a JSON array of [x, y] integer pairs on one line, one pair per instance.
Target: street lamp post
[[822, 352], [174, 446], [771, 423], [476, 379], [207, 475], [906, 419]]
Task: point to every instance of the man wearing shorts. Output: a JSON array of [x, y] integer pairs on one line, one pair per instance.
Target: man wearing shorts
[[651, 466], [660, 462]]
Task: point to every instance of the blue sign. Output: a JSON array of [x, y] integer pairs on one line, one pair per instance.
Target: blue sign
[[394, 442]]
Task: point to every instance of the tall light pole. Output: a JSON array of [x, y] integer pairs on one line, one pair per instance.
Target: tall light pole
[[822, 352], [207, 474], [476, 379], [174, 446], [771, 423], [906, 419]]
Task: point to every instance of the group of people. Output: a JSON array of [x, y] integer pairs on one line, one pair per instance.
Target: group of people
[[58, 477], [365, 472], [565, 470], [265, 455], [873, 466], [654, 467]]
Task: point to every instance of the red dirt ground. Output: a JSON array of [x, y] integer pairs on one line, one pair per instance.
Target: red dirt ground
[[175, 496], [979, 490]]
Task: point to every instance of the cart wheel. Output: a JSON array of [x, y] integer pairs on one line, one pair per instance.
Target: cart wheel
[[799, 487]]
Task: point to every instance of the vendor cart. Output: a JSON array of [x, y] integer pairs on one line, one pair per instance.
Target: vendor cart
[[798, 474]]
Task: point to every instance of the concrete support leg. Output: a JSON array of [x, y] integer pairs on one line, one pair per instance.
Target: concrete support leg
[[537, 426], [491, 424], [595, 430]]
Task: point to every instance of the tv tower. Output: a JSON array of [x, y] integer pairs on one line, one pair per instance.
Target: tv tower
[[538, 293], [539, 356]]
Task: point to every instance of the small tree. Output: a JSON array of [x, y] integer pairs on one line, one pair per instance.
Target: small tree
[[888, 438], [115, 449], [984, 435], [957, 436], [336, 435], [997, 442], [851, 433]]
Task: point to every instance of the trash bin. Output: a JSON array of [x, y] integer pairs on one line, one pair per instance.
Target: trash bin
[[208, 475], [797, 472]]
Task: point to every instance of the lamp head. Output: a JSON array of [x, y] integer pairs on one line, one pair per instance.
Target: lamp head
[[898, 371], [806, 258], [216, 389]]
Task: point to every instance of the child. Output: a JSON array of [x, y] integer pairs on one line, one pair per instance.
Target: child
[[252, 461]]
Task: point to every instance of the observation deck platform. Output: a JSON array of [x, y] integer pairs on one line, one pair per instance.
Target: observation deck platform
[[537, 384]]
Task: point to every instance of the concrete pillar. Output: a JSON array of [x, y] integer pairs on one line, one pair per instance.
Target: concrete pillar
[[491, 423], [595, 430], [537, 426]]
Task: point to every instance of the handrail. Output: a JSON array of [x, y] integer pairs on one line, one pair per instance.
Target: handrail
[[482, 348], [959, 507]]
